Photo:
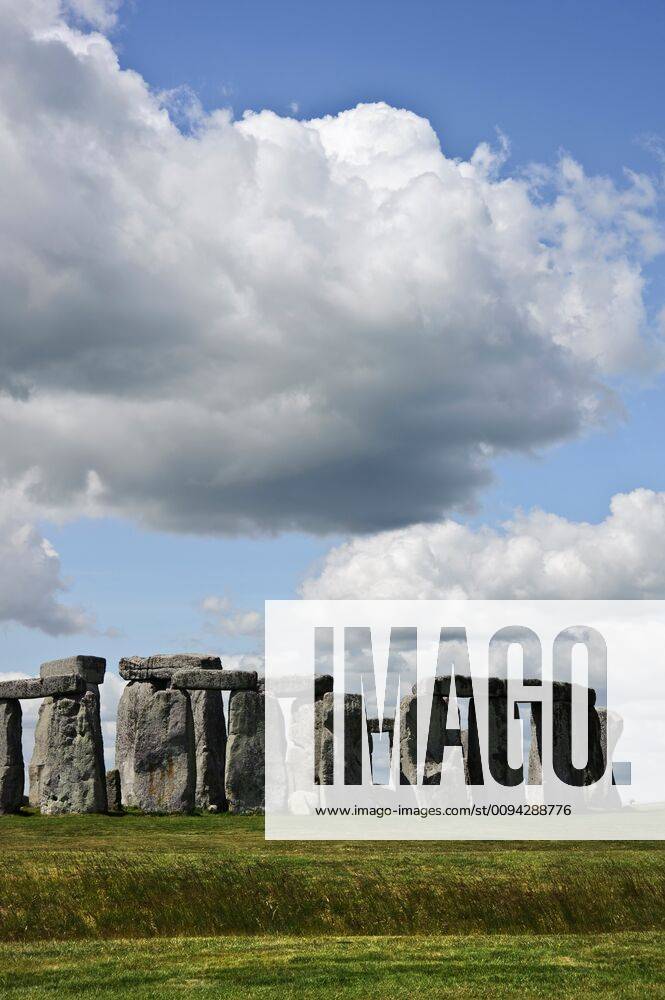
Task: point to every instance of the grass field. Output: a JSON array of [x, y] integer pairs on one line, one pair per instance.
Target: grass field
[[276, 967], [203, 906]]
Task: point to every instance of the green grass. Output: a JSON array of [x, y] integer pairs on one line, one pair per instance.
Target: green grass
[[619, 965], [138, 876]]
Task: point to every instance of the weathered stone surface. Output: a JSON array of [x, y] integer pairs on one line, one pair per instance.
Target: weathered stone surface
[[463, 687], [164, 754], [497, 749], [380, 726], [210, 743], [162, 666], [68, 764], [323, 684], [562, 690], [39, 751], [496, 687], [438, 738], [324, 739], [113, 791], [323, 760], [130, 705], [12, 774], [245, 752], [562, 734], [43, 687], [91, 668], [215, 680]]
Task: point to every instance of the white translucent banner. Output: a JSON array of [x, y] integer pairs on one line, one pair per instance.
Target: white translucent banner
[[465, 720]]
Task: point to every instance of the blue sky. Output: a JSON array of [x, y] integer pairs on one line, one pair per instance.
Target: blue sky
[[584, 78]]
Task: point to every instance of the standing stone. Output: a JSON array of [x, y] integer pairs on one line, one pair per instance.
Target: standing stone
[[438, 738], [562, 739], [113, 791], [71, 776], [96, 715], [245, 752], [323, 745], [324, 720], [164, 754], [132, 700], [39, 751], [12, 774], [210, 743]]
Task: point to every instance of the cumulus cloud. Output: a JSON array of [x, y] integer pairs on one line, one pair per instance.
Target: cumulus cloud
[[102, 14], [224, 617], [536, 555], [269, 324], [31, 583]]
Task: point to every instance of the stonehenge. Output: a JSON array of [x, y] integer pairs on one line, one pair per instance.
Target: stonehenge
[[172, 749], [178, 750]]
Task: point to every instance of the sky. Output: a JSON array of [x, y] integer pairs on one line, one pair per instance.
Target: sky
[[289, 287]]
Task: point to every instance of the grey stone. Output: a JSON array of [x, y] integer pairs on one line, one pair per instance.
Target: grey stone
[[380, 726], [561, 690], [535, 769], [164, 754], [323, 752], [324, 739], [215, 680], [562, 734], [39, 751], [130, 705], [70, 771], [162, 666], [113, 791], [210, 744], [245, 752], [438, 738], [91, 668], [497, 748], [323, 684], [43, 687], [12, 774]]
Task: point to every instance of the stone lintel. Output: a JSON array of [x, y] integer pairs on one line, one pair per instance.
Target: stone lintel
[[91, 668], [498, 688], [215, 680], [42, 687], [162, 666]]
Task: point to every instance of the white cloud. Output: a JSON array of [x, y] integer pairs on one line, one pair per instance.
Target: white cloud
[[225, 618], [31, 583], [271, 324], [536, 555]]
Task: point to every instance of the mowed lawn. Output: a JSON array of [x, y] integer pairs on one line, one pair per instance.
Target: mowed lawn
[[628, 965], [203, 906]]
